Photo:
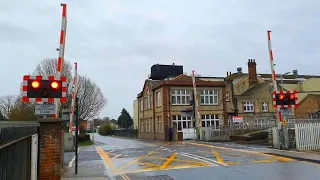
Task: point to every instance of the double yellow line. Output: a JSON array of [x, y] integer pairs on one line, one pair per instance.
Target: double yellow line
[[125, 177]]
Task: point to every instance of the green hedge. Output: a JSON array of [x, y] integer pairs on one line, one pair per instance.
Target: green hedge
[[83, 137]]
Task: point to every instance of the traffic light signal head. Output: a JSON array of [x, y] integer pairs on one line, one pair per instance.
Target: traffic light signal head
[[285, 99], [44, 89]]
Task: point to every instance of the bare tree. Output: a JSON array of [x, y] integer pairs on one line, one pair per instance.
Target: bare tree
[[91, 99], [7, 103]]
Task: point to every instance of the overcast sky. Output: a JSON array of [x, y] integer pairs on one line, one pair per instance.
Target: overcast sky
[[115, 42]]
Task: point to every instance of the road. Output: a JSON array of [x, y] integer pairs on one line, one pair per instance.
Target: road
[[128, 159]]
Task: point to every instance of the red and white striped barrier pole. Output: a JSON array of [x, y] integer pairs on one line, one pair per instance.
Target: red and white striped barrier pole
[[273, 72], [61, 47], [74, 93]]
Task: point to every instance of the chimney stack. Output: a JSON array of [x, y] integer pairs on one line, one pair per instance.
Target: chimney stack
[[252, 68]]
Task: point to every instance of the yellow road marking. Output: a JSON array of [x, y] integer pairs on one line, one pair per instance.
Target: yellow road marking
[[125, 177], [170, 159], [279, 158], [135, 160], [106, 159], [147, 164], [116, 156], [218, 157]]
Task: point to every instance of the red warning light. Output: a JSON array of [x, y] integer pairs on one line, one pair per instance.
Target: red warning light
[[35, 84], [55, 85], [292, 96], [281, 96]]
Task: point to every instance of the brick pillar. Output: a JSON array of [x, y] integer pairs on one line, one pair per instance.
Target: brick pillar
[[50, 149]]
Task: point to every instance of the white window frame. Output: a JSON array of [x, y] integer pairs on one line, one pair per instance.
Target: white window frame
[[227, 96], [182, 122], [265, 107], [211, 120], [146, 125], [150, 124], [158, 96], [148, 102], [248, 106], [145, 103], [151, 101], [141, 105], [159, 124], [180, 96], [141, 125], [209, 97]]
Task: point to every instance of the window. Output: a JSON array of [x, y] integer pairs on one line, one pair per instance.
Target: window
[[182, 122], [209, 97], [146, 125], [145, 103], [211, 120], [227, 96], [158, 94], [148, 102], [150, 125], [159, 124], [141, 105], [180, 97], [141, 125], [248, 107], [265, 107], [151, 101]]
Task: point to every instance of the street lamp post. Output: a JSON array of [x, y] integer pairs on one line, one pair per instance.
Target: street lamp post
[[282, 79]]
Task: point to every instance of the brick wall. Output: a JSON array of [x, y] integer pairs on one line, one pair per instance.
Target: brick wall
[[50, 149], [306, 107]]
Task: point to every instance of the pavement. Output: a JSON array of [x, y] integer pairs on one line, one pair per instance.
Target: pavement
[[128, 159]]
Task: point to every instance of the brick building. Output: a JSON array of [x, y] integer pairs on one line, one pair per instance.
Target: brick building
[[309, 107], [249, 94], [161, 102]]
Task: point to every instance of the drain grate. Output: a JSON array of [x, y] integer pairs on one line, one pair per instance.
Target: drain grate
[[158, 177]]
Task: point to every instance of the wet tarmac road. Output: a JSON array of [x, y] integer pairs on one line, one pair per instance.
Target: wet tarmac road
[[136, 159]]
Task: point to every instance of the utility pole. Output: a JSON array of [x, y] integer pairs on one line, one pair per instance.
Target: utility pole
[[198, 117], [76, 135]]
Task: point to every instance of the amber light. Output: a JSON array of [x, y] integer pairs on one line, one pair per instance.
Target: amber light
[[35, 84], [292, 96], [55, 85], [281, 96]]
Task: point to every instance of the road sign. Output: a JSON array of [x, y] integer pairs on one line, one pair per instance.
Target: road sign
[[237, 119], [285, 122], [45, 109], [286, 111]]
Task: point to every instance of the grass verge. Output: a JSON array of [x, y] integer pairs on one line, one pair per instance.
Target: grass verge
[[86, 143]]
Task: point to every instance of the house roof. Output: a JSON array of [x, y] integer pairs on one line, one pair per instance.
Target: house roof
[[257, 87], [254, 88], [182, 80], [315, 96]]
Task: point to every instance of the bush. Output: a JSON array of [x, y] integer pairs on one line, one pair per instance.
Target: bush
[[83, 137], [82, 130], [106, 130]]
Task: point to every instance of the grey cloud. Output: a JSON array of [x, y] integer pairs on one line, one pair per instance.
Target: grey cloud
[[116, 42]]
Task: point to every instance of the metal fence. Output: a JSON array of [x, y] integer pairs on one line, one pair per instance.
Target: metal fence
[[130, 133], [16, 160]]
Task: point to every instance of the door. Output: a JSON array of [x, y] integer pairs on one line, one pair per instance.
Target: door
[[34, 157]]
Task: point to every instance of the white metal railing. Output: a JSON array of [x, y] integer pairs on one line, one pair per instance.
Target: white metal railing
[[307, 136]]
